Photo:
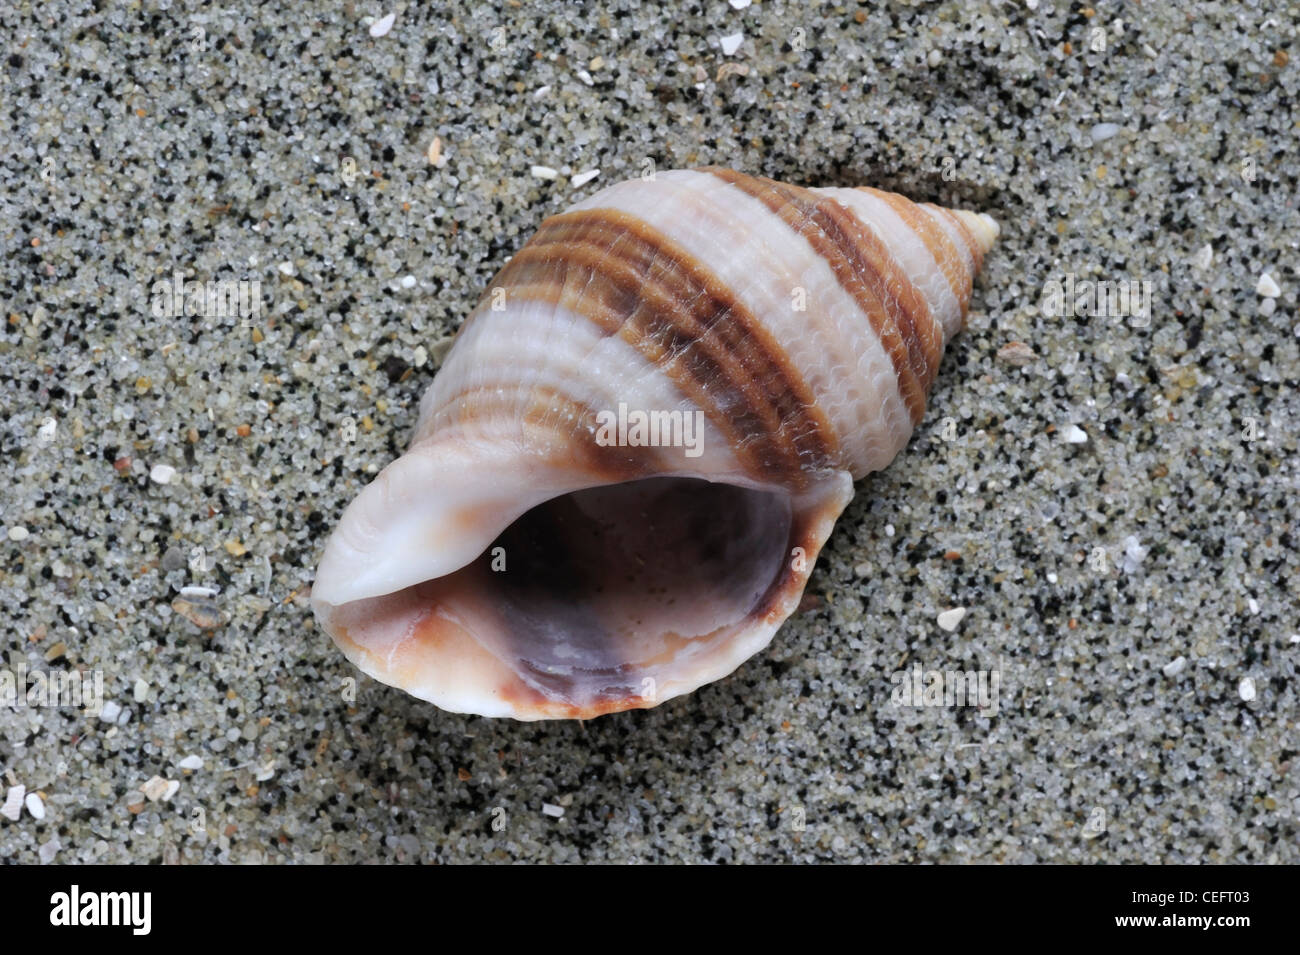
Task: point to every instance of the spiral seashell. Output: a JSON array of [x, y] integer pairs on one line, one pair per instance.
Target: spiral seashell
[[623, 473]]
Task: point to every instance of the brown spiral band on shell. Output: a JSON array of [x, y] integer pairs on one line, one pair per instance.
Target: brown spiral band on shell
[[937, 241], [862, 263], [632, 281]]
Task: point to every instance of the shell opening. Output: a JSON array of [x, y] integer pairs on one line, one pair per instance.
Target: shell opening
[[597, 600]]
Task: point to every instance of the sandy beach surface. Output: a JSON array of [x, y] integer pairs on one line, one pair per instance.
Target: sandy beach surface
[[1112, 499]]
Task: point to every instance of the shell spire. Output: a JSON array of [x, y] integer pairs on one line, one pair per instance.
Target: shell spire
[[623, 473]]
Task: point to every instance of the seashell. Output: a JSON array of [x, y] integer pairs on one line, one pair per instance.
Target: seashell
[[623, 473]]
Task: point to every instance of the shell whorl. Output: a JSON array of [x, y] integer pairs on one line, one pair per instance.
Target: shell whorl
[[801, 327], [807, 324]]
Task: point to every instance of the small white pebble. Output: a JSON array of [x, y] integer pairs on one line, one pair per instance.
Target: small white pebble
[[1267, 287], [1134, 554], [1246, 689], [1104, 131], [586, 77], [1205, 258], [739, 4], [162, 473], [140, 691], [730, 44], [13, 805], [1149, 50], [191, 762], [1253, 604], [949, 619], [582, 178], [889, 530], [286, 268], [1175, 666], [421, 356], [408, 281], [381, 26], [1076, 435], [1031, 4], [1051, 578], [110, 711], [552, 810], [35, 806], [46, 432], [541, 91], [173, 787], [18, 533], [1267, 306], [195, 591], [542, 172], [434, 152], [933, 58], [60, 569], [48, 851]]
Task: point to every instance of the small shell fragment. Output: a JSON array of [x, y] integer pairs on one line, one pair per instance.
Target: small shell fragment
[[730, 44], [154, 788], [35, 806], [162, 473], [582, 178], [1267, 286], [381, 26], [950, 619], [1016, 353], [1104, 131], [204, 614], [1246, 689], [13, 805]]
